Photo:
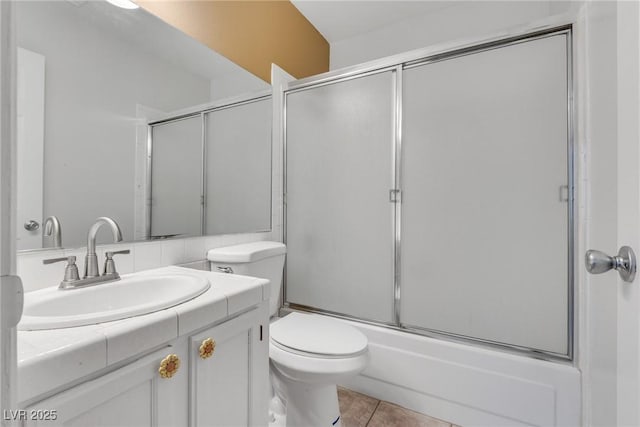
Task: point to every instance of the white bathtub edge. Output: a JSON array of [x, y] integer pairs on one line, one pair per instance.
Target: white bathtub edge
[[467, 385]]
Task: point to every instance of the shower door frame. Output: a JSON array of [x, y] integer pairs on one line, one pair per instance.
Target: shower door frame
[[398, 63], [201, 111]]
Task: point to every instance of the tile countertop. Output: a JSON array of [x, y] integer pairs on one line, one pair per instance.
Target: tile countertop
[[51, 359]]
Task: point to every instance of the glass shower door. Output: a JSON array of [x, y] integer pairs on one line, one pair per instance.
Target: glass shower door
[[486, 197], [339, 221], [176, 188], [238, 171]]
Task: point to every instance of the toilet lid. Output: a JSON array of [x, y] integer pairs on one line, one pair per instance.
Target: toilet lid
[[315, 334]]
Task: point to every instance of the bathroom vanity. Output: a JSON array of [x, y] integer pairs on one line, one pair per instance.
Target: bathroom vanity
[[202, 362]]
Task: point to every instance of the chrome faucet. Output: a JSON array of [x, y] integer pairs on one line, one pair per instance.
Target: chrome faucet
[[52, 228], [91, 274], [91, 259]]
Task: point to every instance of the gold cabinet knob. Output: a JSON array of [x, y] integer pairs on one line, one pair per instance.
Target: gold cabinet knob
[[169, 366], [207, 348]]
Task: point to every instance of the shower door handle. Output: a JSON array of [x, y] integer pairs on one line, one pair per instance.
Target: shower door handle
[[625, 263]]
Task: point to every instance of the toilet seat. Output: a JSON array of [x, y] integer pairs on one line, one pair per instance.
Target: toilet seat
[[317, 336]]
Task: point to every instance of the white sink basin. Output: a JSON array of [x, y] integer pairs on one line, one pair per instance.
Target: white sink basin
[[133, 295]]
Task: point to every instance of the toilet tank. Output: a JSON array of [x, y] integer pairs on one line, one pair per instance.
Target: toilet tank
[[257, 259]]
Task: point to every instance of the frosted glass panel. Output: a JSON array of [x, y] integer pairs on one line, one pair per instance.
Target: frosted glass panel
[[339, 219], [176, 177], [238, 151], [484, 214]]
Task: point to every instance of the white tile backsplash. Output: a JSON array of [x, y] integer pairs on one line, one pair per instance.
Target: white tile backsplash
[[37, 275], [143, 256], [147, 256], [195, 249], [173, 252]]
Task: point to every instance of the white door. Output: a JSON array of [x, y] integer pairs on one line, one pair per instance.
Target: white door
[[30, 137], [610, 324]]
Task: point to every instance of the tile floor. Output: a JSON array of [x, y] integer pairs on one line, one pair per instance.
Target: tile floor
[[359, 410]]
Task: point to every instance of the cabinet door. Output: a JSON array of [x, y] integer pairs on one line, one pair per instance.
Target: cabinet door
[[135, 395], [229, 388]]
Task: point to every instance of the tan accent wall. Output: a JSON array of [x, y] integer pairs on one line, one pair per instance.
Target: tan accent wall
[[253, 34]]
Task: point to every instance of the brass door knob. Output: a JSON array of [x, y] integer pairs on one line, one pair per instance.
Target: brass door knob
[[207, 348], [169, 366]]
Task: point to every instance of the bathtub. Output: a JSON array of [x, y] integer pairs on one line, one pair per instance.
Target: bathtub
[[466, 384]]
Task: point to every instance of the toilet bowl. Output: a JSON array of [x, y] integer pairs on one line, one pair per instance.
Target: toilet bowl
[[309, 354]]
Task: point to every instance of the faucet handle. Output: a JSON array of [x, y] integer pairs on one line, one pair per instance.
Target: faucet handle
[[110, 254], [64, 258], [109, 265], [70, 272]]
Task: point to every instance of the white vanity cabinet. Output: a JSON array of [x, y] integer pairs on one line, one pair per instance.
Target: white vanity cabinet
[[229, 386], [134, 395]]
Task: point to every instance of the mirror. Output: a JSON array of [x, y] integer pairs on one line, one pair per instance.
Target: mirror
[[211, 171], [91, 77]]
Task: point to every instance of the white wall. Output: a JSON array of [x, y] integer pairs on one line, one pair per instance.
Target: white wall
[[464, 19], [234, 84], [626, 179], [94, 81]]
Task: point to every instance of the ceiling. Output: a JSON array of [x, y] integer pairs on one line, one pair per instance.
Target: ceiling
[[339, 20]]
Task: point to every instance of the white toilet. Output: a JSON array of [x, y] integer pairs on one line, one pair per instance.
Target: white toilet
[[309, 353]]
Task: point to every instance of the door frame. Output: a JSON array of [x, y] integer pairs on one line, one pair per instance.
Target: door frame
[[628, 209], [10, 285], [30, 147], [554, 26]]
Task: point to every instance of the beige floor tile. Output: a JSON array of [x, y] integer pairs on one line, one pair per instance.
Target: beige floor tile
[[390, 415], [355, 408]]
